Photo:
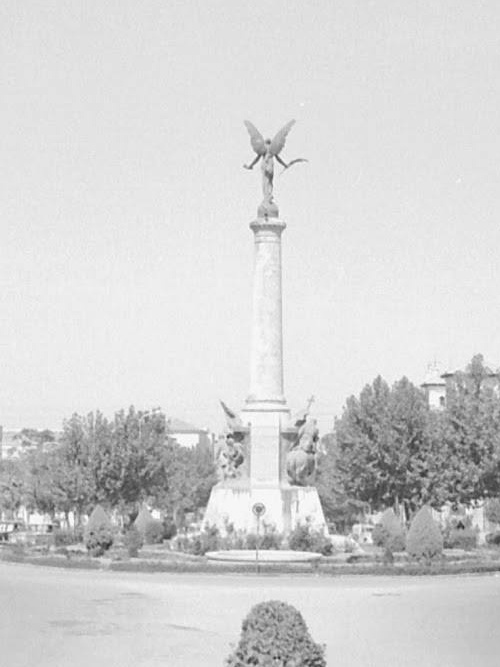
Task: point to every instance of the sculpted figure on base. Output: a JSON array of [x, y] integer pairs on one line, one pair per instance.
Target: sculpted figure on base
[[231, 455], [268, 150], [230, 458], [301, 458]]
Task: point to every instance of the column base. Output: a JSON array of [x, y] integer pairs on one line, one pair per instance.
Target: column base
[[286, 506]]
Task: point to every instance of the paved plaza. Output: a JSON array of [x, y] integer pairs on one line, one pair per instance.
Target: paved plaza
[[59, 618]]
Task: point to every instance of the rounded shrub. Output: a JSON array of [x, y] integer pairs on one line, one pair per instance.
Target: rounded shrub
[[389, 533], [98, 536], [153, 532], [133, 541], [274, 633], [424, 540]]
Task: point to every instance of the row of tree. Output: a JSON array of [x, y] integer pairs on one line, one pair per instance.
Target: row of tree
[[117, 463], [389, 448]]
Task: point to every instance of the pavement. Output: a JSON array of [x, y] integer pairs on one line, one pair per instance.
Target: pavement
[[58, 618]]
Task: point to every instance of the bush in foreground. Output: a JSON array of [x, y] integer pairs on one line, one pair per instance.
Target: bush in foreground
[[274, 633], [98, 532], [424, 541]]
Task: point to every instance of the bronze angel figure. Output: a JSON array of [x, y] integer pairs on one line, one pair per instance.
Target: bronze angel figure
[[268, 149]]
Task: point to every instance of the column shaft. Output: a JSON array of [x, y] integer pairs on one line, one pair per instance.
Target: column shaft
[[266, 362]]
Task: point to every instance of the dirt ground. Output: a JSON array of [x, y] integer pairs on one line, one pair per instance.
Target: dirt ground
[[60, 618]]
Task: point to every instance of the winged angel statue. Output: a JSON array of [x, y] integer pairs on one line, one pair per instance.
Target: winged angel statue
[[268, 149]]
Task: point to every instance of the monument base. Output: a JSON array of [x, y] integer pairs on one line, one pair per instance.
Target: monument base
[[286, 507]]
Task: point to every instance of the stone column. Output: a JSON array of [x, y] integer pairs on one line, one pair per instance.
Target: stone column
[[265, 407], [266, 361]]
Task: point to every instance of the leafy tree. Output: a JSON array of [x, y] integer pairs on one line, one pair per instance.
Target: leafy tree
[[387, 453], [471, 434], [191, 475], [12, 486], [32, 438]]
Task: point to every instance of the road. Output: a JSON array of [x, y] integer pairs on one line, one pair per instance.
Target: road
[[59, 618]]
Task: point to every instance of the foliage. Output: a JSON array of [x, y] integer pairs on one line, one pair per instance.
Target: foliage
[[133, 541], [169, 528], [98, 535], [12, 486], [492, 510], [470, 436], [271, 539], [153, 533], [461, 538], [65, 537], [386, 449], [339, 508], [274, 633], [191, 476], [142, 519], [424, 540], [458, 533], [389, 533], [304, 538], [493, 538]]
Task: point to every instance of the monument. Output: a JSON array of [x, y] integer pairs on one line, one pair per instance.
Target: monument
[[268, 457]]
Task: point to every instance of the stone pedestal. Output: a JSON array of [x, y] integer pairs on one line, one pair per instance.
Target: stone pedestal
[[286, 506], [265, 411]]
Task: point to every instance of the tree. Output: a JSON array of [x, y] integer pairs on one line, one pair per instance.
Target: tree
[[11, 486], [191, 476], [387, 451], [471, 434]]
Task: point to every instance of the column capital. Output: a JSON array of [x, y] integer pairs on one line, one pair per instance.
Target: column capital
[[267, 226]]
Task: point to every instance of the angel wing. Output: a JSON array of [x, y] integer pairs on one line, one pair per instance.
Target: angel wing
[[256, 138], [233, 420], [279, 140]]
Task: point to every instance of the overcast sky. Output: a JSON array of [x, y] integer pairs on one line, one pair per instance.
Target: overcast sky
[[126, 257]]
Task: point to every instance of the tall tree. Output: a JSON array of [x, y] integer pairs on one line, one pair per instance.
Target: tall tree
[[386, 453], [471, 433]]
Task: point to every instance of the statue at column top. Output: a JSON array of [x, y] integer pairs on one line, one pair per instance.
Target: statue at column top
[[268, 150]]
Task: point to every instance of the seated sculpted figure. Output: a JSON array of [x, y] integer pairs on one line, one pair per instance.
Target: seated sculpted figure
[[301, 458]]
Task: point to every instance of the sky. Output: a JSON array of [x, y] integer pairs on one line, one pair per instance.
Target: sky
[[126, 258]]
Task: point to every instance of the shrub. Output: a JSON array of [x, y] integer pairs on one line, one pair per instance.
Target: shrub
[[274, 633], [142, 519], [305, 538], [460, 538], [98, 532], [207, 540], [63, 537], [493, 538], [492, 510], [458, 533], [389, 533], [169, 528], [153, 532], [133, 541], [424, 540]]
